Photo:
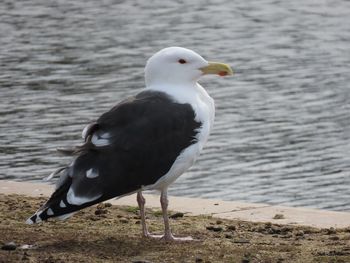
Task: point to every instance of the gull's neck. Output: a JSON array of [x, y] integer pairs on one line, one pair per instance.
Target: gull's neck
[[184, 93]]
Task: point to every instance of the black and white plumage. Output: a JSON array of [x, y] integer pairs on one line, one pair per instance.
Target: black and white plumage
[[145, 142]]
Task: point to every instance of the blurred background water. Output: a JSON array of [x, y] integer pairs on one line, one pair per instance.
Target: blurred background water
[[282, 127]]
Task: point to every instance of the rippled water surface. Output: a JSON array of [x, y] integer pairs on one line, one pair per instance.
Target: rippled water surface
[[282, 130]]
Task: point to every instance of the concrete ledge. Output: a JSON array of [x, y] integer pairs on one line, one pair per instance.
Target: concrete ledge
[[216, 208]]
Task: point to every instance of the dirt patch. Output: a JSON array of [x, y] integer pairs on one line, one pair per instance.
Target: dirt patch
[[107, 233]]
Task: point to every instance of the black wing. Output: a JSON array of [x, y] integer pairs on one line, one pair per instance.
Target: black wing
[[132, 145]]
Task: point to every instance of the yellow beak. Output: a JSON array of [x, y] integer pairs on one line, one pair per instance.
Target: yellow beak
[[220, 69]]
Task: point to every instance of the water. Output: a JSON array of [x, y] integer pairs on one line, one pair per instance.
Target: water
[[282, 128]]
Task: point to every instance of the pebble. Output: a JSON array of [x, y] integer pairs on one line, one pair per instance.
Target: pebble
[[101, 212], [214, 228], [231, 228], [9, 246], [229, 236], [331, 231], [198, 260], [218, 222], [279, 216], [177, 215]]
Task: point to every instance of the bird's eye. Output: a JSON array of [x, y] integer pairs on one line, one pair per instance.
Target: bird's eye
[[182, 61]]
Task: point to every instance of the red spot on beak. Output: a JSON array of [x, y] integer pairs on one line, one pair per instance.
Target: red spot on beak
[[222, 73]]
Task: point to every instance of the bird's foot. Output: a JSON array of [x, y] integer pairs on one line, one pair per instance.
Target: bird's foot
[[149, 235], [169, 238]]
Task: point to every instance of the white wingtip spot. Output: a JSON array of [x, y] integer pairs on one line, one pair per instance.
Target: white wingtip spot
[[62, 204], [92, 173], [49, 212]]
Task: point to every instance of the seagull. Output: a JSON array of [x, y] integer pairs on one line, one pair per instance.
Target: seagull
[[145, 142]]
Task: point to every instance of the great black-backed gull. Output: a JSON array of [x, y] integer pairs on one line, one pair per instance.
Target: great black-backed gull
[[145, 142]]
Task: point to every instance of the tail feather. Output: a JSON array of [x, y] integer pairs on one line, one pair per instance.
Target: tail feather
[[57, 205]]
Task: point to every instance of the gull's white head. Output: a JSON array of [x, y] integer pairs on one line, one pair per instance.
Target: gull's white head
[[177, 65]]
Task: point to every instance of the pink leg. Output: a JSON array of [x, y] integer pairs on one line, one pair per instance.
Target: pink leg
[[168, 236], [141, 202]]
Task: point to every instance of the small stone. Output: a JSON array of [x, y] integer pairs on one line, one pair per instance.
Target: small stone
[[279, 216], [228, 236], [101, 206], [198, 260], [9, 246], [231, 228], [214, 228], [334, 238], [101, 211], [218, 222], [138, 222], [331, 231], [141, 261], [177, 215], [108, 204]]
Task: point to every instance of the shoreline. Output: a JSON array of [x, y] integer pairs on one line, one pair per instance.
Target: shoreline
[[252, 212]]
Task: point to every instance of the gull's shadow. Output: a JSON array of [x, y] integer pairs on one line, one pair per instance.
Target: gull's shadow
[[129, 246]]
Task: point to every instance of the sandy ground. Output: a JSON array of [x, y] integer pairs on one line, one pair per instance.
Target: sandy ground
[[107, 233]]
